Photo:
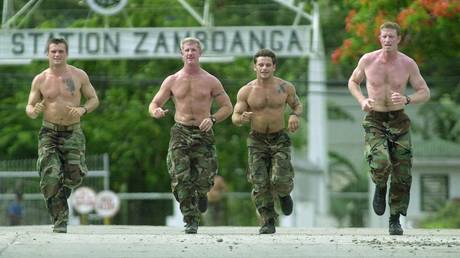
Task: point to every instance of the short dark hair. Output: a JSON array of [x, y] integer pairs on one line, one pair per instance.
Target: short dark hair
[[57, 41], [265, 52], [391, 25]]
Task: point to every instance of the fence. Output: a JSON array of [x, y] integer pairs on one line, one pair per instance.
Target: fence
[[21, 176], [135, 208]]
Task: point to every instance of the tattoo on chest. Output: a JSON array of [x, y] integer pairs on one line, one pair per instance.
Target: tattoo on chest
[[70, 85], [281, 88]]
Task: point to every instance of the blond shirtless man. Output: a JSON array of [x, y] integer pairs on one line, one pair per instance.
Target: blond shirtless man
[[191, 160], [387, 127], [262, 103], [56, 92]]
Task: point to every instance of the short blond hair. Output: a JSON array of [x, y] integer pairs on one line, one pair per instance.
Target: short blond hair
[[391, 25], [191, 40]]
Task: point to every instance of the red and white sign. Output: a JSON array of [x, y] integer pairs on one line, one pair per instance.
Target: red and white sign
[[107, 204], [83, 199]]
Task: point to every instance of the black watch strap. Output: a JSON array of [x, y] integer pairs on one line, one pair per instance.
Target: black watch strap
[[213, 119], [407, 100]]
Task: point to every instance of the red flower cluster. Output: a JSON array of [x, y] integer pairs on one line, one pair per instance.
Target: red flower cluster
[[441, 8], [336, 55], [403, 15], [344, 50], [349, 20]]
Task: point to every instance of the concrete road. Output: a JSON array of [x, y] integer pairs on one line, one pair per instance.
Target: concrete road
[[151, 241]]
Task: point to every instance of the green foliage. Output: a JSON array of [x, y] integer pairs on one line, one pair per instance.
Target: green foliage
[[447, 217]]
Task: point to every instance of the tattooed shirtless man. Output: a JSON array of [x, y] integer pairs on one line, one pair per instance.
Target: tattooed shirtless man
[[56, 92], [261, 103]]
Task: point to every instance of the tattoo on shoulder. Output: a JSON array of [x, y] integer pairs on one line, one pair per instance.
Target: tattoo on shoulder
[[70, 85], [282, 88]]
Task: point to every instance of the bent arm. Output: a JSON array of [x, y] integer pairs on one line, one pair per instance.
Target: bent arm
[[354, 83], [294, 102], [241, 106], [35, 97], [161, 97], [422, 92], [92, 101], [223, 102]]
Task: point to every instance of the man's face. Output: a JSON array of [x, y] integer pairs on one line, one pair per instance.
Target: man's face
[[389, 39], [191, 52], [57, 53], [264, 67]]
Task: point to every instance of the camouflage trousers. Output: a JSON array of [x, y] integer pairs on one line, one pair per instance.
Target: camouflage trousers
[[270, 170], [388, 152], [192, 165], [61, 166]]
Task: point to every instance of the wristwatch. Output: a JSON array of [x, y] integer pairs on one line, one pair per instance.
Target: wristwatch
[[213, 119], [407, 100]]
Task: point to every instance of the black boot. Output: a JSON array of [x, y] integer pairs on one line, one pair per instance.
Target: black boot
[[286, 204], [395, 227], [60, 227], [268, 227], [191, 227], [202, 203], [379, 202]]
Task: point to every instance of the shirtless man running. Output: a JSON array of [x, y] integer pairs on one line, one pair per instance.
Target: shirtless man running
[[56, 92], [191, 160], [387, 127], [261, 103]]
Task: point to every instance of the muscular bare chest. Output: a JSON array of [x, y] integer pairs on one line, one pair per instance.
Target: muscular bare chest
[[66, 87], [273, 97], [194, 89], [394, 75]]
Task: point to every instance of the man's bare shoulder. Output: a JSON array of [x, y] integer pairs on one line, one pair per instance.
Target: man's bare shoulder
[[207, 76], [284, 85], [247, 88], [370, 57], [250, 85], [75, 71], [171, 78], [279, 81], [405, 58], [39, 78]]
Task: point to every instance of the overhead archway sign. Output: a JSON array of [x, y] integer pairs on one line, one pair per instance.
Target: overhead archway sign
[[142, 43]]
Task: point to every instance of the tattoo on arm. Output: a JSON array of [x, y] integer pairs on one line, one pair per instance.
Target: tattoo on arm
[[281, 88], [70, 85], [296, 100]]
